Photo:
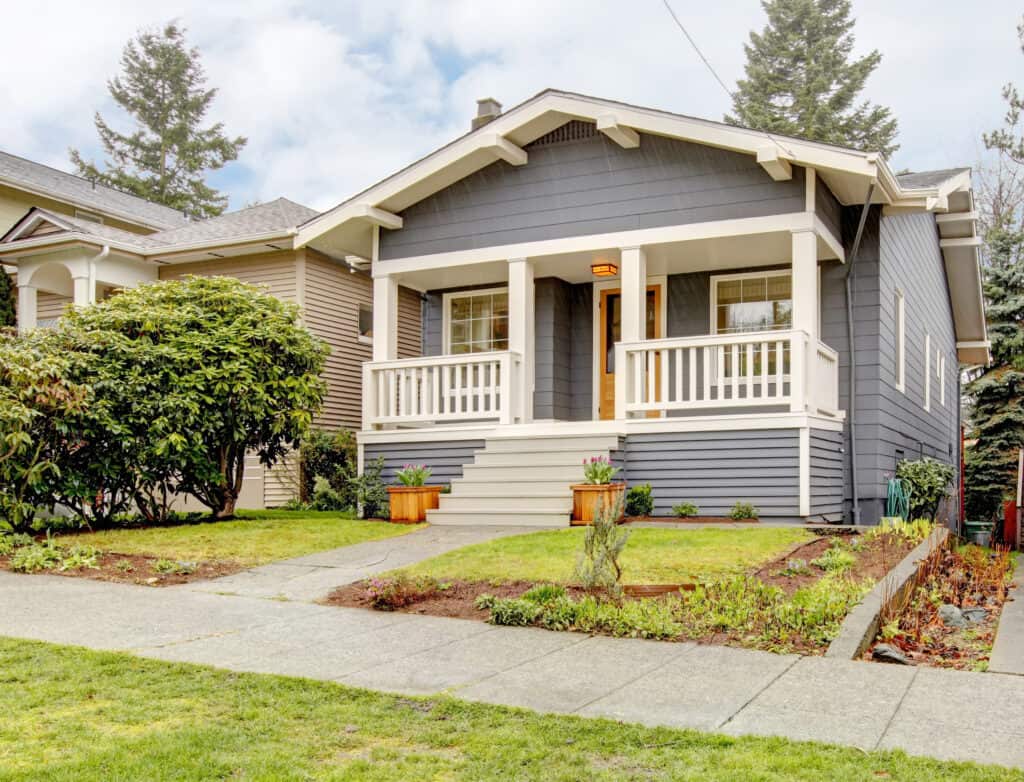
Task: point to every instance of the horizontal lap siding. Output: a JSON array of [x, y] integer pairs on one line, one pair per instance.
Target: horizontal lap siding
[[591, 186], [717, 469], [827, 465], [445, 459], [50, 306], [276, 272]]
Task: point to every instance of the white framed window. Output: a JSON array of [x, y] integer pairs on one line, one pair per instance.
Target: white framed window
[[900, 318], [927, 371], [365, 324], [755, 301], [476, 321]]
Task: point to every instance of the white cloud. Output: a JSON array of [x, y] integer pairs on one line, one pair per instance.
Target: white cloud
[[334, 96]]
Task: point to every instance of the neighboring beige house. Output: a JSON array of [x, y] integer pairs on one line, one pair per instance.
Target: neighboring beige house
[[64, 258]]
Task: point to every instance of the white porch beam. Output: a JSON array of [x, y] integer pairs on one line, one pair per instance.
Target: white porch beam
[[623, 136], [521, 314], [382, 218], [27, 308], [385, 318], [505, 149], [775, 163]]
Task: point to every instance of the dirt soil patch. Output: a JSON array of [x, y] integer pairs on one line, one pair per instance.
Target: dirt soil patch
[[689, 520], [972, 583], [140, 569]]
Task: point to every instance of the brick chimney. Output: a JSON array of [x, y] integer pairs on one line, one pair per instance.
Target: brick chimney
[[487, 109]]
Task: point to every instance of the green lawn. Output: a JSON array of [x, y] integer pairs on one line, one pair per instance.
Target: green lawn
[[254, 538], [74, 714], [652, 556]]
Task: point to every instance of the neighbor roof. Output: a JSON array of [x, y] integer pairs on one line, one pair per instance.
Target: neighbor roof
[[22, 174], [913, 180], [262, 218]]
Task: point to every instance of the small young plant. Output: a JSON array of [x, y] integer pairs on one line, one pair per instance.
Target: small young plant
[[743, 510], [598, 470], [80, 558], [835, 560], [686, 510], [796, 567], [598, 566], [413, 475], [640, 500], [170, 567]]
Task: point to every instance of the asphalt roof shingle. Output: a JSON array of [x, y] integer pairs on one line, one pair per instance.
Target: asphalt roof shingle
[[916, 179], [82, 192], [276, 215]]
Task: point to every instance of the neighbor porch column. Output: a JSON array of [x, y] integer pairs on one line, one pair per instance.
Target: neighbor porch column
[[805, 316], [84, 291], [633, 328], [385, 318], [520, 333], [27, 311]]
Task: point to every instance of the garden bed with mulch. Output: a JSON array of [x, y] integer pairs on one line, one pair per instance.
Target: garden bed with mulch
[[794, 603], [689, 520], [132, 569], [950, 618]]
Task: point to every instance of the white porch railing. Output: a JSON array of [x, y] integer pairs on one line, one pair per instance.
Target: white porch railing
[[722, 371], [466, 387]]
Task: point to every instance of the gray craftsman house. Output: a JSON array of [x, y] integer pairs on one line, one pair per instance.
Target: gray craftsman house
[[675, 293]]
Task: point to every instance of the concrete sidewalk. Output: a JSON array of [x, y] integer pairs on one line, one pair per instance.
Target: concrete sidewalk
[[944, 714], [315, 575], [1008, 650]]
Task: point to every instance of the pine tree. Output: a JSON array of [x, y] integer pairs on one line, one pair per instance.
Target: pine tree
[[7, 312], [800, 80], [165, 158]]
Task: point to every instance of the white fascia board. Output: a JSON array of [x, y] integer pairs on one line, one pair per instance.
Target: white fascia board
[[26, 247], [30, 221], [623, 136], [713, 229], [504, 149], [775, 163]]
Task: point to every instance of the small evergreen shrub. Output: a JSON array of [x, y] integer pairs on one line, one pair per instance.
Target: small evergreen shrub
[[325, 496], [640, 500], [387, 594], [929, 482], [597, 566], [743, 510], [686, 510]]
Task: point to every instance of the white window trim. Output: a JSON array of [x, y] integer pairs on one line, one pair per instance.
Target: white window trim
[[716, 278], [901, 341], [360, 336], [940, 374], [446, 308], [927, 372]]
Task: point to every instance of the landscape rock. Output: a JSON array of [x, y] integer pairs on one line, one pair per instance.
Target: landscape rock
[[951, 616], [974, 615], [884, 653]]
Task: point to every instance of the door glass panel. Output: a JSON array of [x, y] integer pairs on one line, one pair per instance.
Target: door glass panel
[[612, 329], [652, 315]]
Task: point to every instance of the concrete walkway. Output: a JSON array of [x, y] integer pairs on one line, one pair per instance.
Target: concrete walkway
[[945, 714], [1008, 650], [314, 576]]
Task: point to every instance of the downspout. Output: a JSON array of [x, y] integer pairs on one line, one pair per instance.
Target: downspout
[[854, 488]]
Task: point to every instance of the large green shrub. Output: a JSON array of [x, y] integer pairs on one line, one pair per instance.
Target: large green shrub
[[929, 482], [186, 378], [328, 457]]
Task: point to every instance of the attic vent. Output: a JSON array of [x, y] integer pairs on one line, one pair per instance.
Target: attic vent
[[574, 130]]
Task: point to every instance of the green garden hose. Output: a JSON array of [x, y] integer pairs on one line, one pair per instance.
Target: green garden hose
[[897, 499]]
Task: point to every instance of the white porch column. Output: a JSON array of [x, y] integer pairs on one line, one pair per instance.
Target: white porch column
[[520, 332], [805, 316], [385, 318], [633, 281], [27, 317], [85, 291], [805, 282]]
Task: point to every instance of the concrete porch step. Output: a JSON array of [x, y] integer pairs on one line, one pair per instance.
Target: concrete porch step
[[503, 499], [536, 458], [519, 518], [509, 488], [497, 473], [591, 445]]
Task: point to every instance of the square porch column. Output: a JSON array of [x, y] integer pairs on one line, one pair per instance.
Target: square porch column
[[633, 326], [84, 291], [805, 316], [521, 315], [27, 310], [385, 318]]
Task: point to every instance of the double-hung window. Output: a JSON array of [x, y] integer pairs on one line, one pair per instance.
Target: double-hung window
[[476, 321], [761, 301]]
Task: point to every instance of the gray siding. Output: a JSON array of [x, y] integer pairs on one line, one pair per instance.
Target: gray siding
[[588, 186], [445, 459], [827, 467], [717, 469], [689, 304], [582, 352], [828, 208]]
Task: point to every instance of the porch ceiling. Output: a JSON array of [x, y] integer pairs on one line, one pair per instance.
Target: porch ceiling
[[718, 254]]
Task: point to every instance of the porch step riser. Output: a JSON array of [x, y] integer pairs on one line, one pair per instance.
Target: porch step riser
[[532, 459], [496, 474], [483, 504], [589, 446], [463, 488], [518, 519]]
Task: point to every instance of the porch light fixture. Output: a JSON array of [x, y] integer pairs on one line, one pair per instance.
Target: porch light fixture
[[604, 269]]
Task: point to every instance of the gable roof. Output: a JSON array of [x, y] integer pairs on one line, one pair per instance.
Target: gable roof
[[21, 174], [261, 218]]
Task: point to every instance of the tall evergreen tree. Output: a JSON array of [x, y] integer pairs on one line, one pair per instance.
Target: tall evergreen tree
[[7, 312], [801, 81], [166, 157]]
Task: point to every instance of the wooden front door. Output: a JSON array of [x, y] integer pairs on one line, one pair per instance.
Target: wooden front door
[[610, 324]]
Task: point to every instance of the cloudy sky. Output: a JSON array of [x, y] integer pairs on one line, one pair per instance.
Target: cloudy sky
[[335, 95]]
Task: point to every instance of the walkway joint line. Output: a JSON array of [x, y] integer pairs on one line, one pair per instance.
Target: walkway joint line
[[899, 705], [757, 694]]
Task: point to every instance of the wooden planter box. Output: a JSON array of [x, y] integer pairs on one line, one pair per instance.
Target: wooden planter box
[[589, 498], [409, 504]]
